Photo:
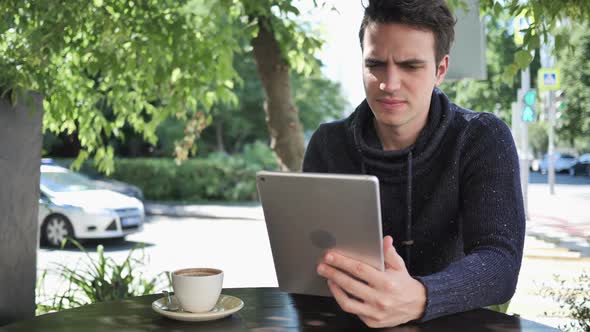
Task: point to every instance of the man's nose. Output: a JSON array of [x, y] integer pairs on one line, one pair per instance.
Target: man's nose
[[391, 82]]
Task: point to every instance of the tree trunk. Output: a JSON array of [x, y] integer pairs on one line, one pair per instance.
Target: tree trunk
[[282, 117]]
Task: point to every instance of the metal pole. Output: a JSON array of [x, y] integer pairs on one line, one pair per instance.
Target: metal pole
[[525, 83], [548, 61], [550, 152]]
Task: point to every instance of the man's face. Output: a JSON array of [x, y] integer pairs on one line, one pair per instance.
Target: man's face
[[399, 74]]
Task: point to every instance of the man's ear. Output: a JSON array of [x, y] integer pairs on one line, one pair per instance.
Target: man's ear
[[441, 70]]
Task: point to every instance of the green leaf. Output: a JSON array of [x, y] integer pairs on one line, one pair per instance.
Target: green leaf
[[523, 58], [497, 9], [176, 74], [534, 42], [509, 74], [82, 156], [560, 41]]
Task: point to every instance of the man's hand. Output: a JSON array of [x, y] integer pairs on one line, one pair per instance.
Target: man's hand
[[384, 299]]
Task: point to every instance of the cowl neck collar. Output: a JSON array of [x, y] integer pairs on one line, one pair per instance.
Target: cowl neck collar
[[387, 163]]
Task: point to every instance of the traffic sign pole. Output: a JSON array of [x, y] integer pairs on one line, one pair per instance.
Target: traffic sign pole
[[551, 172], [549, 80], [525, 86]]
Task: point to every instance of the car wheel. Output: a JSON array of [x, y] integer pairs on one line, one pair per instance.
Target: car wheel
[[56, 229]]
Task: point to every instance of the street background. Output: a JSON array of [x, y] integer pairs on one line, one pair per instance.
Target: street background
[[173, 109], [233, 238]]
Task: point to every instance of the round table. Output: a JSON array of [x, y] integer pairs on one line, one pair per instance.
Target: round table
[[265, 309]]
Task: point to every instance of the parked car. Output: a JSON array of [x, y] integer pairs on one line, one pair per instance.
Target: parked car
[[561, 162], [107, 183], [581, 166], [71, 205], [535, 165], [118, 186]]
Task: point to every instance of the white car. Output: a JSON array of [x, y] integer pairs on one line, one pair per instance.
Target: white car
[[72, 206]]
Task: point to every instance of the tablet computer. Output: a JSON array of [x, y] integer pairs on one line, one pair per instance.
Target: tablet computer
[[308, 213]]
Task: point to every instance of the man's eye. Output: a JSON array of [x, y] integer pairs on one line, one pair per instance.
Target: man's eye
[[372, 64]]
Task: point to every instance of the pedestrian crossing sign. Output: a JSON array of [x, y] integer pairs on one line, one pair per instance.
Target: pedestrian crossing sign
[[549, 79]]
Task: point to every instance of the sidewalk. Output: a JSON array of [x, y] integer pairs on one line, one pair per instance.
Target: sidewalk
[[562, 218]]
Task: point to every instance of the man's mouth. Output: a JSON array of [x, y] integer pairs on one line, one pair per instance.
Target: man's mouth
[[391, 103]]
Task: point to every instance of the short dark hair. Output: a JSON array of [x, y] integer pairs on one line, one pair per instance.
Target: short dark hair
[[432, 15]]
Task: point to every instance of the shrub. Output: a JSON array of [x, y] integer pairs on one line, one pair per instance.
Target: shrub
[[155, 177], [218, 177], [98, 280], [574, 300]]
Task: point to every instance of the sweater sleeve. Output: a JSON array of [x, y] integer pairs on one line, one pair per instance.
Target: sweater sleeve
[[314, 159], [493, 225]]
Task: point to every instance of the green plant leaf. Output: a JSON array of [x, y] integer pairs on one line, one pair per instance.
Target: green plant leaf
[[523, 59], [534, 42]]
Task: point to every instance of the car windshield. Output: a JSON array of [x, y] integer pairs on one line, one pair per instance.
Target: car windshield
[[66, 182]]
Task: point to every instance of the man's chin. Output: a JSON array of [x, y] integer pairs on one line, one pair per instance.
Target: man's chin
[[390, 118], [389, 121]]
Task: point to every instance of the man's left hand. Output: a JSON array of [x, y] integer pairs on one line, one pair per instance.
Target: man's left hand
[[380, 299]]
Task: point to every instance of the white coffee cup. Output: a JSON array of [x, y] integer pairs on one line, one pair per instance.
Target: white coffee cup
[[197, 289]]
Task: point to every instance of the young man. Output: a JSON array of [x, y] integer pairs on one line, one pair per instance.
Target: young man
[[449, 178]]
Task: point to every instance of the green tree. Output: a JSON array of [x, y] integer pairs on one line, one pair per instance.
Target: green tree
[[317, 99], [538, 138], [547, 16], [492, 94], [574, 114], [505, 59], [149, 60]]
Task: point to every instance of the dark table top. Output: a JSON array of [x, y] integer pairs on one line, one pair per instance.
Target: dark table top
[[265, 309]]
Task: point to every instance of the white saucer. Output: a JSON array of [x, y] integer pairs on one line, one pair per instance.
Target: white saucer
[[226, 305]]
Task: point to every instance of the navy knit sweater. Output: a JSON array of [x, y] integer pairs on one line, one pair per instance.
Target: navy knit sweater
[[452, 200]]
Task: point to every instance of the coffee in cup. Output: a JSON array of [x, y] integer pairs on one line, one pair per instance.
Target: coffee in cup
[[197, 289]]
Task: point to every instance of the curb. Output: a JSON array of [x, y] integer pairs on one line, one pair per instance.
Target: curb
[[212, 211], [560, 232]]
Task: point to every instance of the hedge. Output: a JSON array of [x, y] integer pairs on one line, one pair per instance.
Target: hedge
[[219, 177]]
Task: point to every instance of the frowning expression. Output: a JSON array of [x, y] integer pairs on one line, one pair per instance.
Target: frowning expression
[[399, 74]]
